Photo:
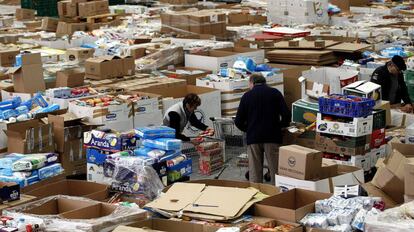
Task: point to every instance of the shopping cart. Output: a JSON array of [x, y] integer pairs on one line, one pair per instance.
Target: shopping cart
[[235, 142]]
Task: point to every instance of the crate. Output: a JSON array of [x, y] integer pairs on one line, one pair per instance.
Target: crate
[[346, 106], [43, 7]]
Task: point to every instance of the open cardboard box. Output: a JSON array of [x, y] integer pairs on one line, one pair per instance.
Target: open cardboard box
[[331, 176], [77, 188], [190, 78], [289, 206], [30, 136], [92, 215]]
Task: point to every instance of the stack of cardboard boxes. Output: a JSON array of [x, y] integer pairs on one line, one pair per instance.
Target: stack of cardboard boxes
[[203, 22], [301, 167], [106, 67], [71, 12]]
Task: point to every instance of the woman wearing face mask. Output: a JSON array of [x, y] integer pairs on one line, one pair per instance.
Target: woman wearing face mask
[[182, 113], [393, 87]]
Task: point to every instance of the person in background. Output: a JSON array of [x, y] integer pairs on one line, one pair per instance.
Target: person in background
[[262, 114], [393, 87], [182, 113]]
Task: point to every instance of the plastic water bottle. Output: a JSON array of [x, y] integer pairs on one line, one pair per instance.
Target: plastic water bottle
[[21, 225]]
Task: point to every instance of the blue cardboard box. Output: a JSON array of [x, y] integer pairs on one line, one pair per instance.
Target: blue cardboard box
[[109, 140], [180, 170]]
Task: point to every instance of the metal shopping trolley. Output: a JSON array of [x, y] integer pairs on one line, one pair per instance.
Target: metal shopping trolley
[[235, 142]]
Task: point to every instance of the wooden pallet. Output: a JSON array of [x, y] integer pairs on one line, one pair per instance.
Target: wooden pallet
[[104, 18]]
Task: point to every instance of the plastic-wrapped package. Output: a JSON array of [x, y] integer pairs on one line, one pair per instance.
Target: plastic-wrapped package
[[135, 175], [340, 228], [163, 144], [80, 217], [29, 163], [150, 152], [49, 171], [8, 161], [154, 132], [315, 220]]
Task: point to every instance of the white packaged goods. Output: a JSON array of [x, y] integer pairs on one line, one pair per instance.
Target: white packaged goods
[[355, 128], [409, 134], [292, 12]]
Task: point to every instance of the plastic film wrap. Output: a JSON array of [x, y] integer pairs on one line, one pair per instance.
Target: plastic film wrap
[[78, 206], [398, 219], [170, 55]]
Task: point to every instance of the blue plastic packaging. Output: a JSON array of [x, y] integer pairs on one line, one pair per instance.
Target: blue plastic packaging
[[156, 153], [22, 110], [10, 104], [49, 171], [167, 144], [48, 109], [6, 162], [245, 64], [154, 132]]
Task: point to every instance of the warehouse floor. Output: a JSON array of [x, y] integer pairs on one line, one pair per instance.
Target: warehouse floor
[[232, 170]]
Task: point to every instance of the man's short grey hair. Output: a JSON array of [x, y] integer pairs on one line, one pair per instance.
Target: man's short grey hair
[[257, 78]]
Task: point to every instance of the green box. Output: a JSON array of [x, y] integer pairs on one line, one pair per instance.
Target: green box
[[379, 119], [304, 112], [409, 77]]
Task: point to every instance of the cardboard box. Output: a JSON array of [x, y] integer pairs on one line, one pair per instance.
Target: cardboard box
[[93, 8], [78, 188], [389, 184], [70, 78], [185, 73], [408, 177], [324, 81], [304, 112], [9, 192], [336, 175], [43, 183], [50, 24], [289, 206], [30, 137], [8, 57], [108, 67], [28, 78], [299, 162], [343, 145], [137, 52], [32, 25], [78, 212], [24, 14], [67, 9], [221, 58], [68, 131], [64, 28], [145, 111], [364, 89], [361, 161], [354, 128], [79, 54], [373, 191], [160, 225]]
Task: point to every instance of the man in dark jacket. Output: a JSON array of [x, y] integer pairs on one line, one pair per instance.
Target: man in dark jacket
[[393, 87], [262, 114]]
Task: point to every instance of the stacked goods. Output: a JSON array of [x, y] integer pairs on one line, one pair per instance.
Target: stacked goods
[[106, 67], [234, 82], [342, 214], [206, 22], [84, 16], [211, 156], [160, 145], [344, 126], [298, 12], [107, 110], [101, 143], [304, 57], [62, 95], [29, 169]]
